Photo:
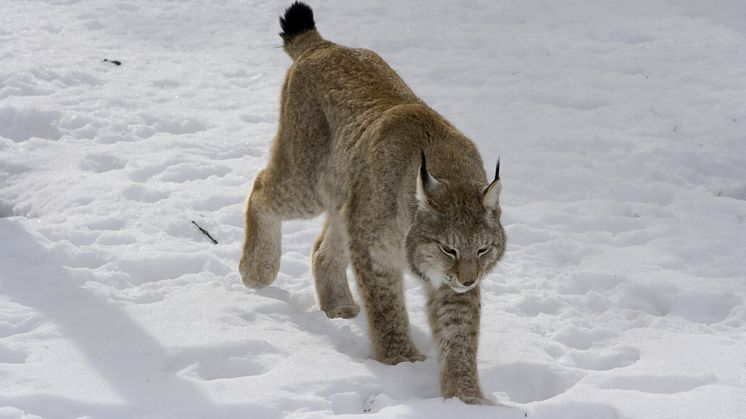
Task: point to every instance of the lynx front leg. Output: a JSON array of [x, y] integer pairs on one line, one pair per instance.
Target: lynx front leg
[[454, 319], [329, 263], [388, 324]]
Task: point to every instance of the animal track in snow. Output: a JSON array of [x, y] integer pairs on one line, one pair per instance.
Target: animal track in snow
[[67, 77], [699, 306], [574, 410], [579, 283], [349, 402], [178, 171], [658, 384], [40, 82], [10, 356], [24, 124], [100, 162], [604, 359], [143, 193], [238, 360], [108, 223], [527, 382], [704, 306], [655, 301], [143, 174], [139, 295], [21, 84], [154, 268], [217, 202], [533, 305], [232, 367], [582, 338], [275, 310], [187, 171], [169, 124], [115, 238]]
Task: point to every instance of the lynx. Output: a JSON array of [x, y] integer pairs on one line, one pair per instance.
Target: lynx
[[402, 190]]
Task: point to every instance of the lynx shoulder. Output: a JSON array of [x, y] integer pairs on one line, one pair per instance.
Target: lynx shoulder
[[402, 190]]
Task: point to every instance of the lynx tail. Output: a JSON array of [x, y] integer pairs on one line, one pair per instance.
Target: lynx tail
[[298, 18]]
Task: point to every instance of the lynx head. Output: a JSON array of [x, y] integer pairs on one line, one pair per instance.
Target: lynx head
[[456, 237]]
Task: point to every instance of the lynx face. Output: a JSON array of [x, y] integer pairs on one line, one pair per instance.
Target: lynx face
[[456, 237]]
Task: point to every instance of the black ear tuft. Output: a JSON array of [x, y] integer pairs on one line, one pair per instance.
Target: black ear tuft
[[423, 171], [298, 18], [497, 169], [426, 184]]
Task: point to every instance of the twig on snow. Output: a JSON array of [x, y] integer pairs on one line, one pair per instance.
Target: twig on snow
[[205, 232]]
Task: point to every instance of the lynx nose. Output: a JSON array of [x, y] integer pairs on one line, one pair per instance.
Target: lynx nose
[[468, 271]]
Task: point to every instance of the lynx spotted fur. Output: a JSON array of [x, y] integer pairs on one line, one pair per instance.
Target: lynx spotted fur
[[402, 190]]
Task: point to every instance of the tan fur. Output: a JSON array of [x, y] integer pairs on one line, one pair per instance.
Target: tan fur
[[350, 139]]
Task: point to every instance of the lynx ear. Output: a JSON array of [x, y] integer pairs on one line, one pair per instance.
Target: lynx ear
[[491, 194], [426, 184]]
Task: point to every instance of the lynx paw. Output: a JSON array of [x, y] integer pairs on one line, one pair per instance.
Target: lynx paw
[[411, 356], [467, 394], [346, 311], [257, 275]]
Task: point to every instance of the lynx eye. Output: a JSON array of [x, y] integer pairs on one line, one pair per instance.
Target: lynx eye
[[482, 251], [449, 251]]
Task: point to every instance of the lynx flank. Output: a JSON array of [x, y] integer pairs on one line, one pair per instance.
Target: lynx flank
[[402, 190]]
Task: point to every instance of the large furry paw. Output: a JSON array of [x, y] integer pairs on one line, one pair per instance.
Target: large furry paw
[[257, 275], [401, 358], [344, 311], [408, 355], [468, 395]]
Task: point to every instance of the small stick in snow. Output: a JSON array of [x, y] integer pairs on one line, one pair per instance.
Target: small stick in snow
[[115, 62], [205, 232]]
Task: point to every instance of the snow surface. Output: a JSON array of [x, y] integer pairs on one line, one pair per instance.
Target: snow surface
[[622, 131]]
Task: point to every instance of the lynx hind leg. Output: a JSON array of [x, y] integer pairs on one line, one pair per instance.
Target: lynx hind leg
[[273, 198], [286, 188], [329, 263], [260, 260]]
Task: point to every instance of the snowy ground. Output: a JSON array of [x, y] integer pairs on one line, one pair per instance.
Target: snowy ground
[[622, 131]]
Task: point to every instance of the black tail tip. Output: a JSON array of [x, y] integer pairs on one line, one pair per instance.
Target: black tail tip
[[297, 19]]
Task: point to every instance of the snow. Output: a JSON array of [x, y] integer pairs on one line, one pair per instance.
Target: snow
[[620, 127]]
